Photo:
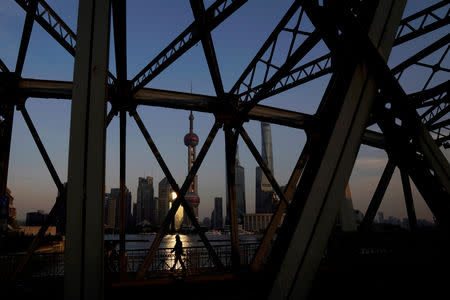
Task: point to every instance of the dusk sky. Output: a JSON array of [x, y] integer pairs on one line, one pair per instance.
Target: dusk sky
[[151, 26]]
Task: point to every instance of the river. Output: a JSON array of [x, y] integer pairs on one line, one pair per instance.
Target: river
[[144, 240]]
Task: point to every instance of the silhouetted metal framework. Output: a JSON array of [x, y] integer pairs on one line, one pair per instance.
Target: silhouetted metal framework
[[356, 60]]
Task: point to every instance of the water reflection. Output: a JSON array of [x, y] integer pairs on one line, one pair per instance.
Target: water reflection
[[144, 241]]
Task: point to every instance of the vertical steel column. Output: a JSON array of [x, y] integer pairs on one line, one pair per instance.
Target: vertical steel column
[[345, 111], [83, 261], [230, 157], [5, 143], [409, 201], [122, 208], [7, 110]]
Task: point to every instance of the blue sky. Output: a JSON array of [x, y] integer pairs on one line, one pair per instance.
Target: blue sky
[[151, 25]]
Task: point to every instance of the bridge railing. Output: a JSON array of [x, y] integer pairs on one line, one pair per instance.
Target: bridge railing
[[196, 260]]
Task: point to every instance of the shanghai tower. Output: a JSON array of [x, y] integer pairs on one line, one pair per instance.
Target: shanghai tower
[[240, 192], [264, 195]]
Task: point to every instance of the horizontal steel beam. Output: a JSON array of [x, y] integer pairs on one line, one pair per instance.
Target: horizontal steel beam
[[281, 116], [162, 98], [170, 99], [421, 54], [38, 88]]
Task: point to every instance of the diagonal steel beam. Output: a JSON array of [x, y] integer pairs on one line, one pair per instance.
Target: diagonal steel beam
[[428, 97], [208, 46], [436, 112], [263, 249], [422, 15], [409, 200], [440, 124], [55, 26], [154, 150], [300, 75], [270, 41], [52, 23], [180, 198], [421, 54], [442, 141], [110, 116], [26, 34], [176, 188], [431, 171], [345, 109], [3, 67], [216, 13], [262, 164], [35, 242], [41, 148], [59, 200], [298, 54], [378, 195]]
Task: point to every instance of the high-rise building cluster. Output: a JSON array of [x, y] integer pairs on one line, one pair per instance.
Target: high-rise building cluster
[[265, 198], [150, 210]]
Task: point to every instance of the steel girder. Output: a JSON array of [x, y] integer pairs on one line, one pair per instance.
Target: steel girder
[[345, 106], [241, 103], [214, 15]]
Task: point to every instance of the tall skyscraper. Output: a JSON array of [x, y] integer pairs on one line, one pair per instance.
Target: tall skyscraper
[[145, 206], [115, 193], [192, 198], [110, 211], [216, 215], [240, 192], [164, 194], [264, 194]]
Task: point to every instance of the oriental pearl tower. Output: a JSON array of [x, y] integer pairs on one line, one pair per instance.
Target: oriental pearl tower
[[192, 198]]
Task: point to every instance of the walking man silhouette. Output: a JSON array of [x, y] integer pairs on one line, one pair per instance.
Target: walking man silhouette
[[178, 249]]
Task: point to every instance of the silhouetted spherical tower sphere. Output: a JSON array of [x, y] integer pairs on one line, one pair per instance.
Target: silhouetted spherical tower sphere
[[191, 139]]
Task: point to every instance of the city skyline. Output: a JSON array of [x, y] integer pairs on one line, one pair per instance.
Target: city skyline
[[30, 182]]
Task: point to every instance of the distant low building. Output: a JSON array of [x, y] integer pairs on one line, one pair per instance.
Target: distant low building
[[12, 211], [36, 218], [33, 230], [7, 210], [258, 222]]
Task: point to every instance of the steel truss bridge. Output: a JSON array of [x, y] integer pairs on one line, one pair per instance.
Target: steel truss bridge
[[363, 91]]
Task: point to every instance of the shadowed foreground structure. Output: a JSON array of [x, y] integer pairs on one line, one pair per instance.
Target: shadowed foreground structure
[[307, 256]]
